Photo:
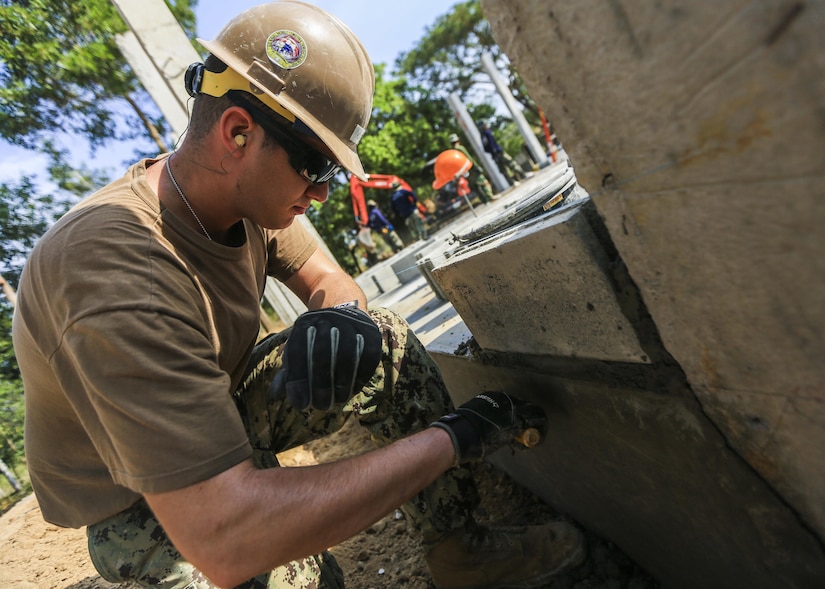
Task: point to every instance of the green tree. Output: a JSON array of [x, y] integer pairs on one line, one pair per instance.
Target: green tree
[[61, 69], [448, 59], [404, 132], [11, 396]]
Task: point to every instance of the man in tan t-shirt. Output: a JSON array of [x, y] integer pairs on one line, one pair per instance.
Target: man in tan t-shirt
[[154, 420]]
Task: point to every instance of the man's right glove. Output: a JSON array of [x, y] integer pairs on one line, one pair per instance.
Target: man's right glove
[[329, 356], [489, 421]]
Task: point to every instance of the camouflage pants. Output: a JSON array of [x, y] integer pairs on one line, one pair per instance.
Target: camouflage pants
[[482, 185], [509, 167], [405, 395], [416, 226]]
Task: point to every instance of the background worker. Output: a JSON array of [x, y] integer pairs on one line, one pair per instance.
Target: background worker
[[506, 164], [379, 223], [154, 420], [405, 205], [477, 177]]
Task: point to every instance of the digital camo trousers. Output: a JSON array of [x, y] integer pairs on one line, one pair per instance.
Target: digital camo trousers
[[405, 395]]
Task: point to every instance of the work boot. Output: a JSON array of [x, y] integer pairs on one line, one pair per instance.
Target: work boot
[[476, 557]]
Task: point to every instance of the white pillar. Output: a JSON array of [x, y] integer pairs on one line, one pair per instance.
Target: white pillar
[[474, 137], [530, 141]]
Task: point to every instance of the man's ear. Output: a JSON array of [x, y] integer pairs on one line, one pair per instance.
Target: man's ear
[[234, 127]]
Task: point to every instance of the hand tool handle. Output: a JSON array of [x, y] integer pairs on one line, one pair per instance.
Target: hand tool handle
[[529, 438]]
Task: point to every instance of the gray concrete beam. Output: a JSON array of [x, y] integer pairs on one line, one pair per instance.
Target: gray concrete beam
[[644, 467], [543, 288]]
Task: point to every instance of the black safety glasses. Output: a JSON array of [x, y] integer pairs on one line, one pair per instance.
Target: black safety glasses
[[311, 164]]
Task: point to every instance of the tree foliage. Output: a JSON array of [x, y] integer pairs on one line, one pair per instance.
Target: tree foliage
[[11, 395], [24, 217], [61, 69], [448, 58]]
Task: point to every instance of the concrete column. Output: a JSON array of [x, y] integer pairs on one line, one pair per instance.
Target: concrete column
[[530, 141], [471, 131]]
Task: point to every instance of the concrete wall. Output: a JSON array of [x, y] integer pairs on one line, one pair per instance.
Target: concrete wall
[[698, 128]]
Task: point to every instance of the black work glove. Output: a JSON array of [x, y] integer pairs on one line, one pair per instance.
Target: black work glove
[[329, 356], [489, 421]]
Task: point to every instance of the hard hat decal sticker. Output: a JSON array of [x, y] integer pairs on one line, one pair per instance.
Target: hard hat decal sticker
[[286, 49]]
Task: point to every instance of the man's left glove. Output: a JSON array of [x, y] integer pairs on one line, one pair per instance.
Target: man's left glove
[[329, 356], [489, 421]]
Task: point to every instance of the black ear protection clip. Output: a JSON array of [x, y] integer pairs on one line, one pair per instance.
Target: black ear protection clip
[[193, 79], [199, 80]]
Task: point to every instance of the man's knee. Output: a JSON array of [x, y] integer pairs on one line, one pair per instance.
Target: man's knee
[[388, 319], [399, 341], [132, 546]]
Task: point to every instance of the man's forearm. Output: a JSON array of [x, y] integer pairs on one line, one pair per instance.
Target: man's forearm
[[336, 290], [321, 283], [245, 521]]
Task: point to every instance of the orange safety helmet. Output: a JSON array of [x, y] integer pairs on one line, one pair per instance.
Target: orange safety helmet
[[448, 165]]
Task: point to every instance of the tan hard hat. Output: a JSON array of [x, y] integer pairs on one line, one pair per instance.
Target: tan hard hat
[[299, 58]]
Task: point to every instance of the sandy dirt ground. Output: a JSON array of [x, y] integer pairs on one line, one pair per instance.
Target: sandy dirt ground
[[37, 555]]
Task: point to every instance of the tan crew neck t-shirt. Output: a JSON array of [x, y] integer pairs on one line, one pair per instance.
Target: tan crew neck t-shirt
[[132, 331]]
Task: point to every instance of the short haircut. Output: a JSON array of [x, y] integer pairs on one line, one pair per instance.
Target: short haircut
[[207, 110]]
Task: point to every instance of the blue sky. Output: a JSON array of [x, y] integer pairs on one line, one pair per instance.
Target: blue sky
[[386, 29]]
